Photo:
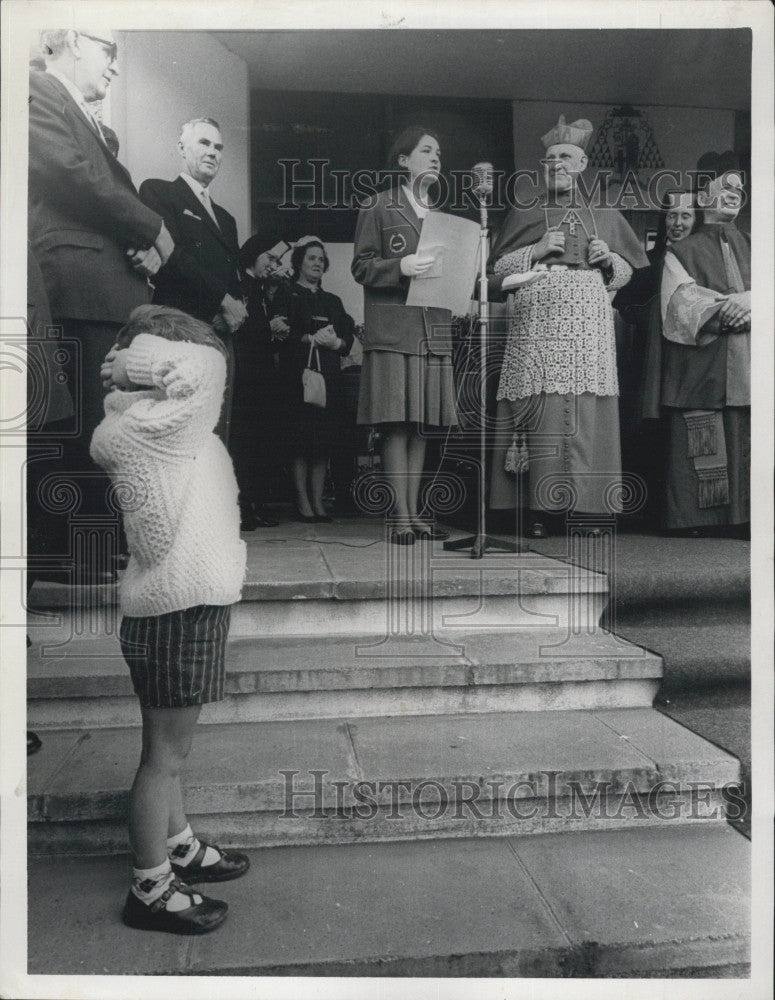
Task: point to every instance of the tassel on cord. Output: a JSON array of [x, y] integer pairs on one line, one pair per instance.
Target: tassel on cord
[[712, 488], [701, 432], [516, 460]]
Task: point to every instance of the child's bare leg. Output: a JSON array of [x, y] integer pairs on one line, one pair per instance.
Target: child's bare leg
[[167, 738]]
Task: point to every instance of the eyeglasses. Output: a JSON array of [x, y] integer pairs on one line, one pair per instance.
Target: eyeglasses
[[112, 47]]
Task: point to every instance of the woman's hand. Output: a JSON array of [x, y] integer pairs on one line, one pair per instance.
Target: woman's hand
[[552, 242], [113, 369], [598, 254], [412, 266], [327, 337], [279, 327]]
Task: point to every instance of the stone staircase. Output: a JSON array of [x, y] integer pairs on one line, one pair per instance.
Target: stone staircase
[[378, 694]]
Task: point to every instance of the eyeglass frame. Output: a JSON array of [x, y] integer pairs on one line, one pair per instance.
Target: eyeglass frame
[[112, 46]]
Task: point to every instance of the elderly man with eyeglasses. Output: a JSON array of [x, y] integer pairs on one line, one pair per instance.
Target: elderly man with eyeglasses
[[559, 380], [94, 239]]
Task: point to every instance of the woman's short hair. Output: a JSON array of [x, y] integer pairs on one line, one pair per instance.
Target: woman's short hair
[[298, 254], [405, 143], [171, 324]]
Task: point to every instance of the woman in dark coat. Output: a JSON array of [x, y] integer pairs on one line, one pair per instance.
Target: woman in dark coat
[[309, 317], [256, 404], [407, 382]]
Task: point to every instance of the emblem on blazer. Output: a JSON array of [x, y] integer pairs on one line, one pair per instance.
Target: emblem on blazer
[[397, 243]]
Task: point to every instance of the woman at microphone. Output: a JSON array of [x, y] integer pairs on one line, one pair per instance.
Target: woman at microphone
[[407, 384]]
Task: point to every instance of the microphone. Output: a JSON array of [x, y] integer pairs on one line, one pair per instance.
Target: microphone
[[484, 180]]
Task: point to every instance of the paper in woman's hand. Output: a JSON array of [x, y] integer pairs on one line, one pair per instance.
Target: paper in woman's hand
[[454, 244], [436, 253]]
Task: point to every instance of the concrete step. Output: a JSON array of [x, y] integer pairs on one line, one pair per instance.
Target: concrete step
[[84, 683], [696, 655], [417, 777], [654, 571], [613, 903], [351, 582]]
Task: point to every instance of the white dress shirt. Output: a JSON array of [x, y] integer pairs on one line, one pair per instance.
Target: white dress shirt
[[202, 194], [79, 99]]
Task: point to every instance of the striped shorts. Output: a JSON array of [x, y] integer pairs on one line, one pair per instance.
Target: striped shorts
[[177, 659]]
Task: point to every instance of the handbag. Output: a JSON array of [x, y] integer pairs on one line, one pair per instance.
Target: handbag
[[313, 382]]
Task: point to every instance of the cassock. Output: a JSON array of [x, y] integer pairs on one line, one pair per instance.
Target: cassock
[[559, 367], [705, 385]]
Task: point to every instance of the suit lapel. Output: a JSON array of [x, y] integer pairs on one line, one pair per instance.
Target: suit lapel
[[197, 207], [83, 126], [408, 213]]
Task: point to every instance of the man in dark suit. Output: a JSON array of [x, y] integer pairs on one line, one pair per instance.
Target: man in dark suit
[[95, 241], [202, 275]]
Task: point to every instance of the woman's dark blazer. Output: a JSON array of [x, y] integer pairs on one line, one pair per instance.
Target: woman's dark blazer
[[387, 231]]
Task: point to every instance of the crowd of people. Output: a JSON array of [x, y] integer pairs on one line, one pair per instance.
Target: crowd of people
[[213, 356]]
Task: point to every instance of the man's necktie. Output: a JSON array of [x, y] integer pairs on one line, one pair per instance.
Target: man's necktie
[[209, 206]]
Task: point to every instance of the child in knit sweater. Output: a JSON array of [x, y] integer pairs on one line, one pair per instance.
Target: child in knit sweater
[[186, 566]]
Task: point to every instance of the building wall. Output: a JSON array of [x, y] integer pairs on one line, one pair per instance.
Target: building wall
[[166, 78], [682, 134]]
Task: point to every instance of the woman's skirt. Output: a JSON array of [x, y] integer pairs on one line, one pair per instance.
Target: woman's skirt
[[407, 389]]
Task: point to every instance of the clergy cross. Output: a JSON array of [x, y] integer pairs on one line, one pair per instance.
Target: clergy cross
[[573, 220]]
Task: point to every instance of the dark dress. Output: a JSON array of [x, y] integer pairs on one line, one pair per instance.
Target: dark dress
[[311, 431], [255, 407], [643, 427]]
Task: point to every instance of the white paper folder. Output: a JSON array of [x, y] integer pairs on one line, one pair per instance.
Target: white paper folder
[[449, 284]]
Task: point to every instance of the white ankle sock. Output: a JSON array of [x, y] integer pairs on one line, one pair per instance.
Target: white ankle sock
[[148, 884], [187, 839]]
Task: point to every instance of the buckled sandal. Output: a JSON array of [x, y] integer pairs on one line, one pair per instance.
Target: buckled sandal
[[231, 864], [198, 918]]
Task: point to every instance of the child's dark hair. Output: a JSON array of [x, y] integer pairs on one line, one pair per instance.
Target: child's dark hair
[[171, 324], [299, 253]]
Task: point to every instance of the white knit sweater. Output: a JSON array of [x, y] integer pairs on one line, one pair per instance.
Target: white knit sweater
[[173, 479]]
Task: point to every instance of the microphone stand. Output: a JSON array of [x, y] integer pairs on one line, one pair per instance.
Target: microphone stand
[[481, 542]]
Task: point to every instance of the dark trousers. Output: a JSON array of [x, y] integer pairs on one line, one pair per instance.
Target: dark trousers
[[71, 511]]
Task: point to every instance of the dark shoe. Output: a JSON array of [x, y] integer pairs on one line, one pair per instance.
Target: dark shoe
[[537, 530], [306, 519], [231, 864], [199, 918], [248, 522], [260, 521], [431, 534], [323, 519], [121, 561], [402, 537], [34, 742]]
